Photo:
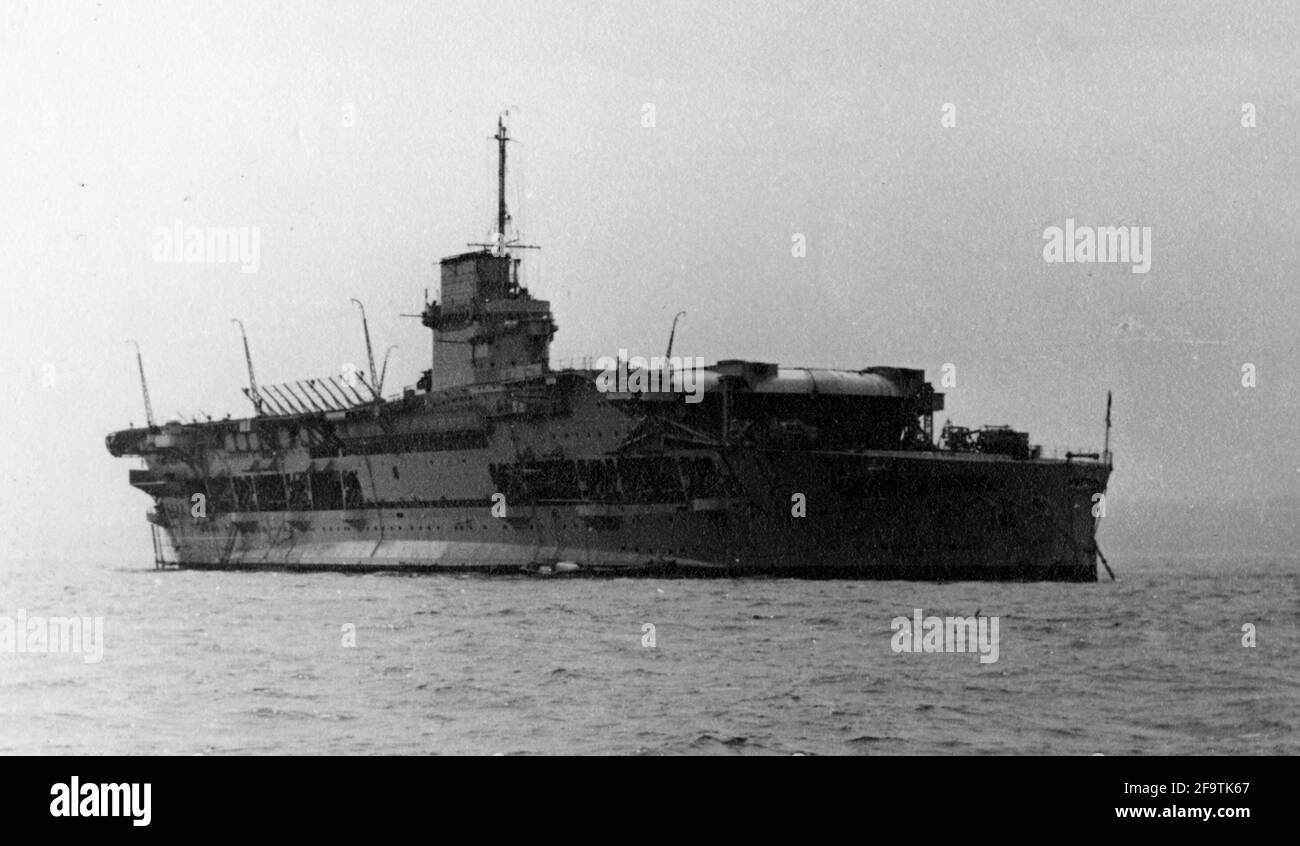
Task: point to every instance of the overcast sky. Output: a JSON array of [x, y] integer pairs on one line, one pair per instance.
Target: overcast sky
[[354, 138]]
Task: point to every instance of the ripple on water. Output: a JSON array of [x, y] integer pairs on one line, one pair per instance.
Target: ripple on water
[[741, 667]]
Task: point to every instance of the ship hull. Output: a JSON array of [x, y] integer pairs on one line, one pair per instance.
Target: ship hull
[[861, 515]]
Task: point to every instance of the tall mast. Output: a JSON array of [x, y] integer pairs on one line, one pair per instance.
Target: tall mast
[[253, 394], [369, 352], [1106, 448], [672, 334], [502, 215], [501, 241], [144, 386]]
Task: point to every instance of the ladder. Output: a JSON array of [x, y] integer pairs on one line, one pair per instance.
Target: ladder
[[159, 558]]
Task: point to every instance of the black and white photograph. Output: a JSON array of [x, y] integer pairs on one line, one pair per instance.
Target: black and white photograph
[[779, 378]]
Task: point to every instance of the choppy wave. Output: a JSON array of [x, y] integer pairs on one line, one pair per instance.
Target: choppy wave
[[233, 663]]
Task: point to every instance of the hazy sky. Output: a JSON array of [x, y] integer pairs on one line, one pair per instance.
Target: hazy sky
[[924, 241]]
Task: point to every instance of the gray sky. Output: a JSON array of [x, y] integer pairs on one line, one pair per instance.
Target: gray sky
[[924, 242]]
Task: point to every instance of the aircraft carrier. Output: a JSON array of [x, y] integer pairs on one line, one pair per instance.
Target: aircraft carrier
[[498, 462]]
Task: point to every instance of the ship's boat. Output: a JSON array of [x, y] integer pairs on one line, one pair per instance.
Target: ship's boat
[[498, 461]]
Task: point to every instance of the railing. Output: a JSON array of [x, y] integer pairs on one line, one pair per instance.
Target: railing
[[1074, 454], [1036, 452], [586, 362]]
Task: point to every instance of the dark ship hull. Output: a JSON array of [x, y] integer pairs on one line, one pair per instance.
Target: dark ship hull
[[497, 463]]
